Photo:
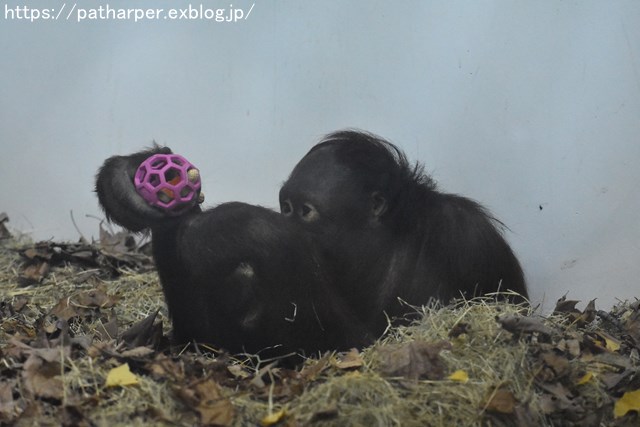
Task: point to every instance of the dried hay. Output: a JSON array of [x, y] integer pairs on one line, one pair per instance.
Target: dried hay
[[475, 363]]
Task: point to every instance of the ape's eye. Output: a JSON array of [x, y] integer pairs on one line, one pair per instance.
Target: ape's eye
[[308, 213], [286, 208]]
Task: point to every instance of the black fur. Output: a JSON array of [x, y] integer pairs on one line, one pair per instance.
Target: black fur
[[360, 229]]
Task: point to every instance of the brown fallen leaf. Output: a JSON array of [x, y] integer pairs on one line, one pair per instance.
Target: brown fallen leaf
[[413, 360], [107, 331], [500, 400], [65, 309], [41, 372], [554, 367], [85, 276], [311, 371], [119, 242], [569, 346], [37, 252], [558, 401], [165, 367], [143, 333], [16, 349], [34, 273], [568, 309], [95, 298], [108, 259], [205, 396], [9, 408], [617, 382], [64, 338], [563, 305], [589, 313], [517, 324], [82, 303], [350, 360]]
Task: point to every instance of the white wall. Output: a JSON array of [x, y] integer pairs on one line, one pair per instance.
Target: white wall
[[520, 105]]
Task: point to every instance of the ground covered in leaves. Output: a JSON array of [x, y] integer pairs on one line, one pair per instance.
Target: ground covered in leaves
[[83, 341]]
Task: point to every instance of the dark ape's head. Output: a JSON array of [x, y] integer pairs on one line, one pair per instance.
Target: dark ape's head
[[354, 180]]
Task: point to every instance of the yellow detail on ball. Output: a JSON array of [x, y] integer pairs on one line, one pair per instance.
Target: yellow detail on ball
[[193, 174]]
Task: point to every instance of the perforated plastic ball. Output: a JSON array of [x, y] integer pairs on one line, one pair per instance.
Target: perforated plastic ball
[[168, 181]]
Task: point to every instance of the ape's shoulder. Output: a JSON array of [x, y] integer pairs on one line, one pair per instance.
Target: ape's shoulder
[[468, 244], [459, 212]]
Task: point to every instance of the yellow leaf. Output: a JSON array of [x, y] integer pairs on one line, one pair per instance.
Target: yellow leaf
[[630, 401], [612, 345], [121, 376], [585, 378], [460, 376], [607, 341], [273, 418]]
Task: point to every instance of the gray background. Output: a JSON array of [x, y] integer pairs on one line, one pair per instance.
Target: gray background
[[531, 107]]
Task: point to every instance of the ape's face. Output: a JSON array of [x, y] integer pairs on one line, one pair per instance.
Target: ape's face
[[324, 195], [328, 199]]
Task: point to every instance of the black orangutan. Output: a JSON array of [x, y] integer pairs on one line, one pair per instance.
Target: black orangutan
[[360, 231]]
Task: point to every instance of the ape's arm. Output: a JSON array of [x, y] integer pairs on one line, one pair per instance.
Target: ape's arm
[[118, 196]]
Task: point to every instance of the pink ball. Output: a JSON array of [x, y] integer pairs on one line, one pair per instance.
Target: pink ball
[[163, 180]]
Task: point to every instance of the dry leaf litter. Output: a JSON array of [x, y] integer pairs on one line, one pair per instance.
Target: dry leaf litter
[[83, 342]]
